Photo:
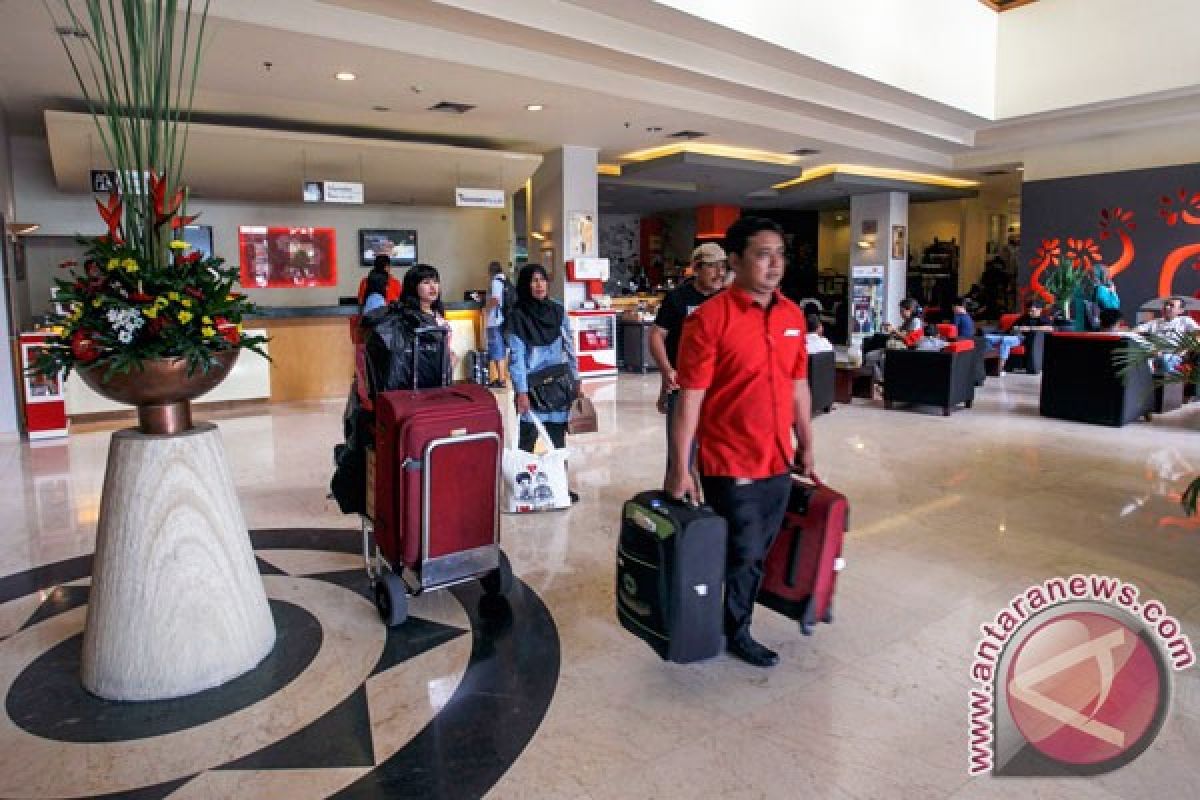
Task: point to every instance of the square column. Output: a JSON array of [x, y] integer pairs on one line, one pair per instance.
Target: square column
[[565, 183], [873, 220]]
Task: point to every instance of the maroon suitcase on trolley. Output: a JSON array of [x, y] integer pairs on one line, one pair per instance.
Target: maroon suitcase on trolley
[[436, 467], [800, 572]]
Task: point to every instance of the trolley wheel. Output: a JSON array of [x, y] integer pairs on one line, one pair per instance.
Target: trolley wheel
[[500, 580], [391, 599]]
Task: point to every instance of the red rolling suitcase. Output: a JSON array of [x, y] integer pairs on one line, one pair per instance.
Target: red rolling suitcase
[[800, 572], [432, 503]]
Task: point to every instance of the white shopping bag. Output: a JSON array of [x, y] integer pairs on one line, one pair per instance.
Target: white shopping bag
[[534, 482]]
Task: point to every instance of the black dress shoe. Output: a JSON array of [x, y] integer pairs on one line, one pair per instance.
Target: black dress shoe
[[752, 652]]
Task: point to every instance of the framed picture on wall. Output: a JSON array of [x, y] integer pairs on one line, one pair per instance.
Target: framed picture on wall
[[581, 235], [899, 244]]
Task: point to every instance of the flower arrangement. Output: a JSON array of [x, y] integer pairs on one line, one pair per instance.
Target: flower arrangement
[[139, 295], [1067, 278]]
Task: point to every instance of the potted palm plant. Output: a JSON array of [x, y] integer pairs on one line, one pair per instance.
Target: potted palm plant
[[1180, 350]]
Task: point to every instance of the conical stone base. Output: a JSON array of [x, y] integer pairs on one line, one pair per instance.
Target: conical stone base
[[177, 605]]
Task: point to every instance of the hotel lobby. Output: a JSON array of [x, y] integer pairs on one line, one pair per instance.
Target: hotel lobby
[[982, 131]]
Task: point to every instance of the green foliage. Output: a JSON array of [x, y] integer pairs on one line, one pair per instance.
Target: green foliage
[[137, 296], [1144, 347], [1065, 280]]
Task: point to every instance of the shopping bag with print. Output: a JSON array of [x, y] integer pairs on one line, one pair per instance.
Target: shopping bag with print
[[535, 482]]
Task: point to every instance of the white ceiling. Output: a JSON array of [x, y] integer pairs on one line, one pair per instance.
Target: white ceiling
[[610, 72]]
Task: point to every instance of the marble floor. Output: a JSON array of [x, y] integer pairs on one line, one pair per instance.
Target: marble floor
[[951, 517]]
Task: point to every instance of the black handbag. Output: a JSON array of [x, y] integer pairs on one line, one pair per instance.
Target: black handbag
[[552, 388]]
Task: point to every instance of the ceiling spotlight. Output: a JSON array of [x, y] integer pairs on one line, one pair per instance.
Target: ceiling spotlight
[[534, 107], [1020, 169], [541, 237], [345, 76]]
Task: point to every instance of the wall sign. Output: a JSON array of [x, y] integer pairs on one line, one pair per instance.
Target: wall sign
[[343, 192], [104, 180], [479, 198]]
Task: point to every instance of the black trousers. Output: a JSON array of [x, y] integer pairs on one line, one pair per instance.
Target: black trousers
[[754, 512], [528, 436]]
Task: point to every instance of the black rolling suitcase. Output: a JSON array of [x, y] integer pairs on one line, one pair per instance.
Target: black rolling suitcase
[[475, 367], [671, 576]]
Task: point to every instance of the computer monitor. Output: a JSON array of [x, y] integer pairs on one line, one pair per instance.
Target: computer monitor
[[399, 245]]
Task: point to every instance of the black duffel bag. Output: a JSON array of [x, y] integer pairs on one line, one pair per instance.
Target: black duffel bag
[[405, 349]]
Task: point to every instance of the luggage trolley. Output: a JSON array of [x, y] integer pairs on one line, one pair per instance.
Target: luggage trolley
[[426, 524]]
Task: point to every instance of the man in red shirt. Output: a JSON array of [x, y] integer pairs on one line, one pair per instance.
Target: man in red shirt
[[743, 378]]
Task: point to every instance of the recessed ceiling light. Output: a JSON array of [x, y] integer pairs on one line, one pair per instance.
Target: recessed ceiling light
[[345, 76], [534, 107], [1020, 169]]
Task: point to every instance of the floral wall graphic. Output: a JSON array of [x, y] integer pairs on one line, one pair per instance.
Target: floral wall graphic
[[1143, 224]]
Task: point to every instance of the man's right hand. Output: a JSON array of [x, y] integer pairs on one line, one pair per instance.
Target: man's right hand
[[681, 484], [522, 400]]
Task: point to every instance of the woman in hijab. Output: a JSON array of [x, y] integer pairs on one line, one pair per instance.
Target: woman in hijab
[[538, 336]]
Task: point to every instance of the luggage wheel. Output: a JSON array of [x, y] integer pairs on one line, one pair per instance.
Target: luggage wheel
[[391, 598], [500, 580]]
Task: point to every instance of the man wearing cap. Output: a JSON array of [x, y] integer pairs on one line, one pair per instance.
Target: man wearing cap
[[708, 269]]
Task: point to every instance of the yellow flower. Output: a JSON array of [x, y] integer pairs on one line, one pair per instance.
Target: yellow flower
[[150, 312], [178, 244], [129, 265], [161, 302], [186, 302], [207, 331], [185, 317], [113, 263], [173, 296], [96, 303], [206, 320]]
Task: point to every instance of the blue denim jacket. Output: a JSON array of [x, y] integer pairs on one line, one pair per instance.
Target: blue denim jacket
[[525, 359]]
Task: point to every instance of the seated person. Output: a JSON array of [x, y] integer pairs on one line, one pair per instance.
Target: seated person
[[931, 342], [911, 330], [1111, 321], [962, 319], [1172, 324], [815, 339], [1036, 316]]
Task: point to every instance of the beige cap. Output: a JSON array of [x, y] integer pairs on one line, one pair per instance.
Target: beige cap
[[709, 253]]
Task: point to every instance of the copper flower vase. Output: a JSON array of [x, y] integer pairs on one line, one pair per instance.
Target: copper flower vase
[[162, 389]]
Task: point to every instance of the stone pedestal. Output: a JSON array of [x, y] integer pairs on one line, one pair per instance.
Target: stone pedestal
[[177, 604]]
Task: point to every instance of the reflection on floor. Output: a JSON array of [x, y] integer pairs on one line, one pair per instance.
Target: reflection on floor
[[950, 518]]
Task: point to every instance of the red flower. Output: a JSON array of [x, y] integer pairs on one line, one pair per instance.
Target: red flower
[[84, 347], [227, 330], [156, 325], [111, 214], [194, 292], [190, 258], [141, 297]]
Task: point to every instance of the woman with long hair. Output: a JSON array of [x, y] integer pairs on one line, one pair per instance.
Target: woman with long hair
[[538, 336], [422, 293]]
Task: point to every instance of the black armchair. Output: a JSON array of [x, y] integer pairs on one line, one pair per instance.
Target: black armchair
[[822, 373], [1080, 381], [945, 379]]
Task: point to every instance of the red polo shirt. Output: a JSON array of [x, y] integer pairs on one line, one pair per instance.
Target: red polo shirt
[[746, 357]]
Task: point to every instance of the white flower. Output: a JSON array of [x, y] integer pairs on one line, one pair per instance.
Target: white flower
[[125, 337]]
